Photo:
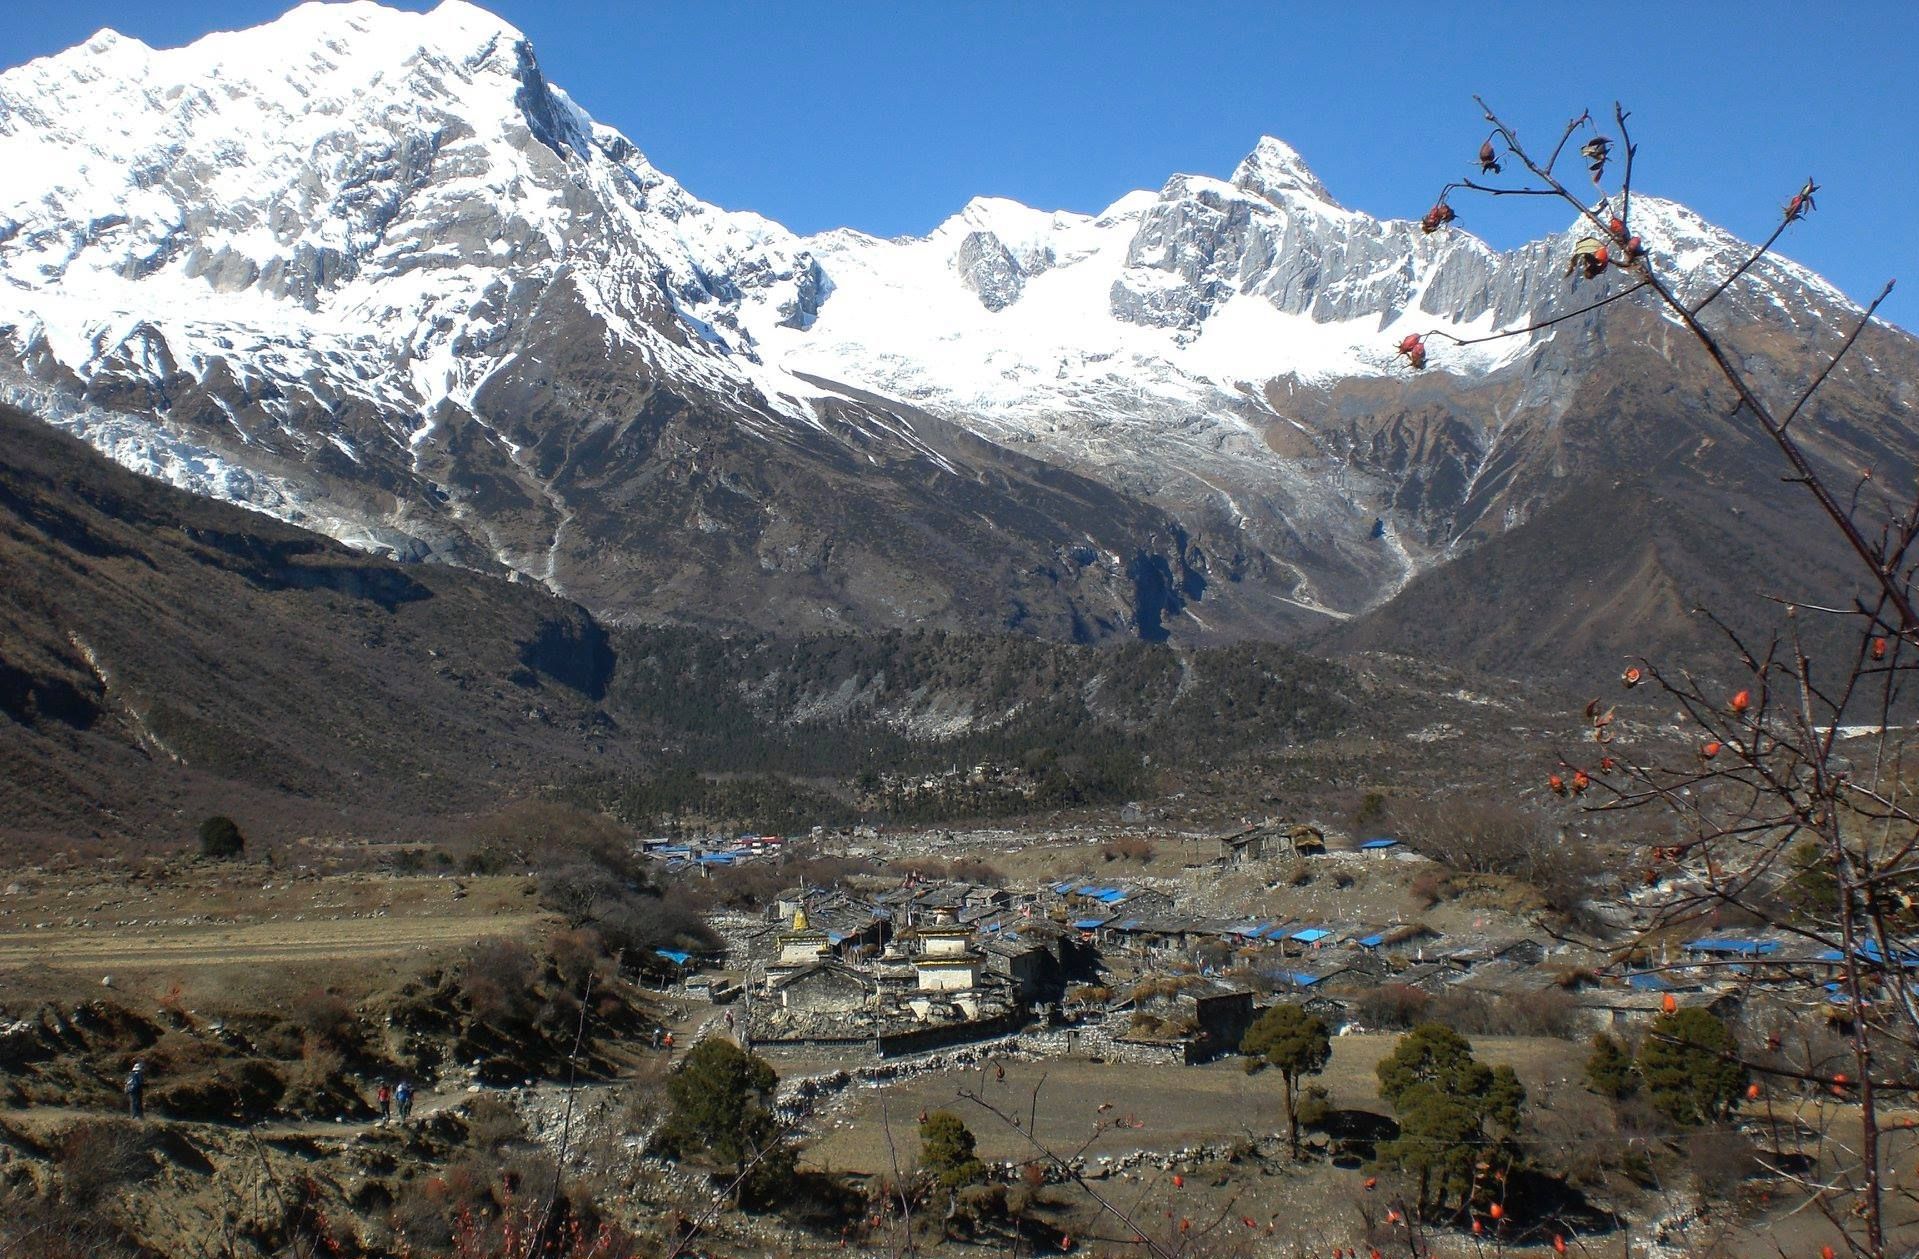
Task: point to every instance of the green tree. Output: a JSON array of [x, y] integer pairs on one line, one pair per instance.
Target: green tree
[[1812, 889], [1439, 1141], [718, 1101], [946, 1150], [1454, 1112], [1609, 1068], [220, 838], [1297, 1044], [1691, 1069], [1431, 1053]]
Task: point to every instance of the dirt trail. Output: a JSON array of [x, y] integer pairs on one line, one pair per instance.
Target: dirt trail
[[225, 944]]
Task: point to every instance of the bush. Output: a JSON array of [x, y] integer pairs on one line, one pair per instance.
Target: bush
[[1430, 887], [946, 1151], [1719, 1158], [327, 1021], [499, 983], [1548, 1012], [1492, 837], [312, 1084], [1392, 1007], [669, 921], [1609, 1071], [97, 1157], [220, 838], [492, 1123], [45, 1229]]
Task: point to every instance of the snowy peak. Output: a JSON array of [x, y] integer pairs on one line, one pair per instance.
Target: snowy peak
[[371, 271], [1274, 170]]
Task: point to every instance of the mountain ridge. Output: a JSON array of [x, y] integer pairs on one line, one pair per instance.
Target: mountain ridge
[[397, 286]]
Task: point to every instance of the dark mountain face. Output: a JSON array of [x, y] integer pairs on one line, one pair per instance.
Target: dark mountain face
[[164, 657]]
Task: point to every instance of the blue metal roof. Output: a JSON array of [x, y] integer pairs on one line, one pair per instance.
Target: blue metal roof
[[1381, 842], [718, 858], [1310, 934], [1302, 979], [1651, 981], [674, 956], [1871, 952], [1087, 924], [1372, 941]]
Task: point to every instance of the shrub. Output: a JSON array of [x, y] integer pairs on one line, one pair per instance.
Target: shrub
[[312, 1082], [1547, 1012], [1609, 1071], [499, 983], [1392, 1007], [1719, 1158], [326, 1020], [97, 1157], [946, 1151], [46, 1229], [492, 1123], [220, 838], [1430, 887]]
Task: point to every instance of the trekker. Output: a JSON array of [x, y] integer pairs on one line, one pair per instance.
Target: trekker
[[136, 1087], [403, 1098], [386, 1101], [657, 1033]]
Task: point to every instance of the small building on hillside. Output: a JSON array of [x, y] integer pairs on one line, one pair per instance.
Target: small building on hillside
[[800, 945], [823, 988], [1243, 848], [946, 961], [1209, 1017]]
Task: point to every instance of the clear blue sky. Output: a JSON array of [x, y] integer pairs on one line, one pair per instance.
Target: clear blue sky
[[887, 116]]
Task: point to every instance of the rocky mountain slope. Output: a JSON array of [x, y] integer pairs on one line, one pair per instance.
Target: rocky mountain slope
[[393, 284], [164, 657]]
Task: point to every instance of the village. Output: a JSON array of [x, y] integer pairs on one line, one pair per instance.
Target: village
[[1165, 950]]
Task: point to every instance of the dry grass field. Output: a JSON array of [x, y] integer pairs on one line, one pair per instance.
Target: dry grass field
[[224, 937]]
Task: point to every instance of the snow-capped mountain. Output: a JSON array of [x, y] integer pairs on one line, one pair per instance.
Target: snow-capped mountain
[[372, 272]]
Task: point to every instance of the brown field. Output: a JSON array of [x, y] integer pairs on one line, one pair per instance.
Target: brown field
[[219, 937], [1177, 1106]]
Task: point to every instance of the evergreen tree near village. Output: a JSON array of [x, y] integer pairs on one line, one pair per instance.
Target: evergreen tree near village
[[946, 1151], [1294, 1043], [1690, 1067], [720, 1101], [1609, 1070], [1455, 1112]]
